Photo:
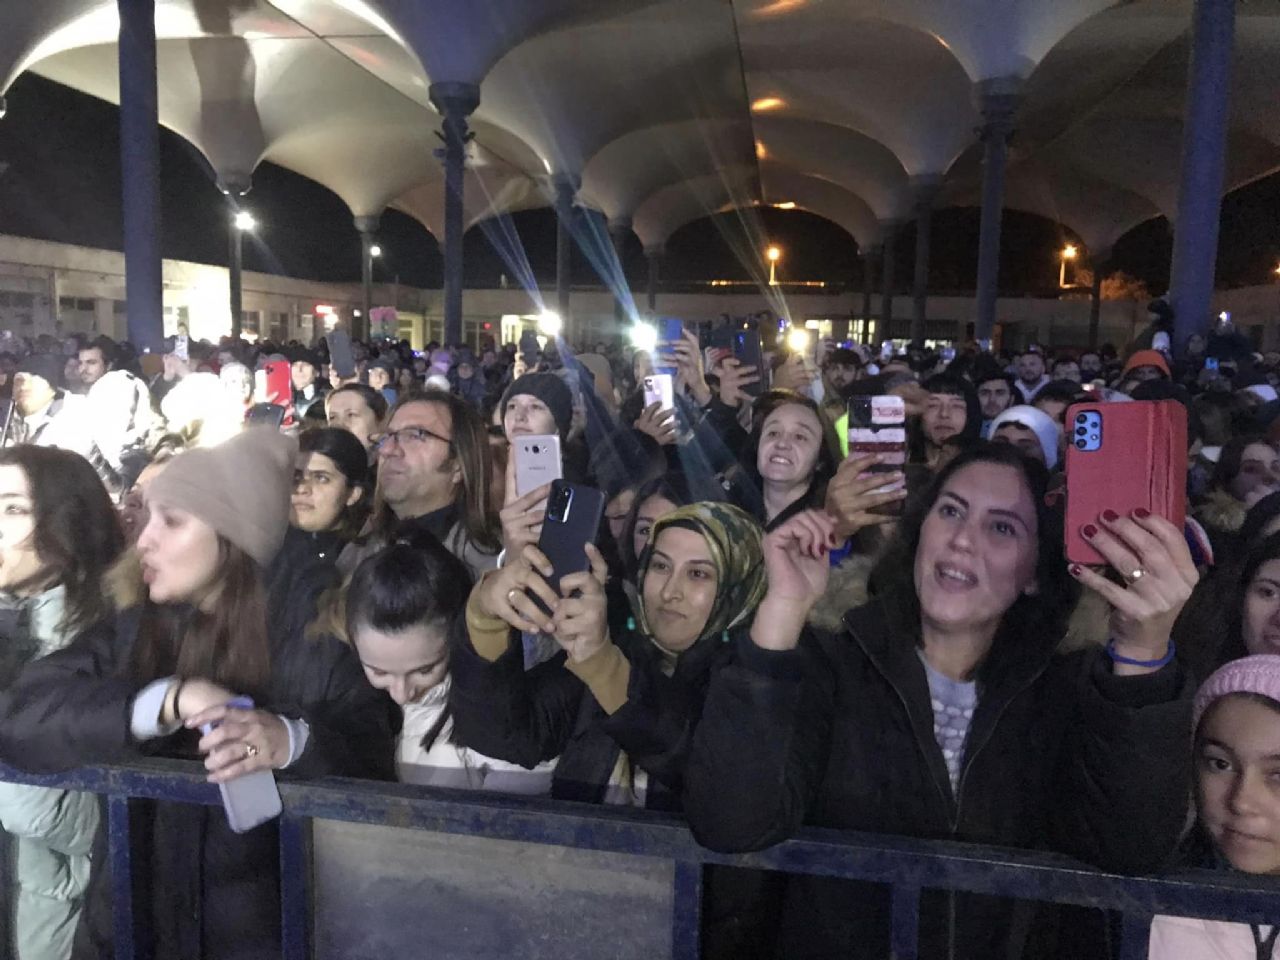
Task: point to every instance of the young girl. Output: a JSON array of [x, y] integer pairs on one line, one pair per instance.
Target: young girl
[[404, 612], [1237, 767], [152, 676]]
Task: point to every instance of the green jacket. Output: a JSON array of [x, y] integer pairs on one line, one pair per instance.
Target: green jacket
[[52, 830]]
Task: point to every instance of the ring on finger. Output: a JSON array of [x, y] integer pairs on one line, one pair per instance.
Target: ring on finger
[[511, 594], [1137, 574], [250, 751]]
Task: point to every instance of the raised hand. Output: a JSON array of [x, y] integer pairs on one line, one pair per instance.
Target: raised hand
[[1152, 557], [854, 492], [734, 377], [582, 619], [658, 423], [797, 568]]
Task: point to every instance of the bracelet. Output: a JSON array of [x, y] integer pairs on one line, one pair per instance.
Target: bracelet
[[1151, 664]]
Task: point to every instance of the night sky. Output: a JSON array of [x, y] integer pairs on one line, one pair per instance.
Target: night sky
[[59, 157]]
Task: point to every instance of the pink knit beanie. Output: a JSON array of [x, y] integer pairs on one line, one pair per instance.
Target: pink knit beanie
[[1258, 674]]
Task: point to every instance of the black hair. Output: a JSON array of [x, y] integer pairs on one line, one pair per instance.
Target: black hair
[[1039, 619], [951, 385], [1231, 457], [348, 455], [414, 580]]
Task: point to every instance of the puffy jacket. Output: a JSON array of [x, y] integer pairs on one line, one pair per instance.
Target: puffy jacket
[[52, 830], [213, 894], [1060, 754]]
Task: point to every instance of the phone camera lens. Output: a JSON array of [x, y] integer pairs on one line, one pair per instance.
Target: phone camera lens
[[536, 449], [1081, 431], [1082, 418], [1081, 444]]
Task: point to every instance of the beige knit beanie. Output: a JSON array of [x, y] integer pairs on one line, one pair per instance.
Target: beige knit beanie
[[240, 488]]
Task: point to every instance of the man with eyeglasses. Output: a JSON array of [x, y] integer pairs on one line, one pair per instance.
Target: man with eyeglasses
[[434, 474]]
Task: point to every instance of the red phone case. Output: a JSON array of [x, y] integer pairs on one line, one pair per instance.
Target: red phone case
[[1142, 462]]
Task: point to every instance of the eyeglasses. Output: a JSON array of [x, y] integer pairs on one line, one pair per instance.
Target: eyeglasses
[[408, 437]]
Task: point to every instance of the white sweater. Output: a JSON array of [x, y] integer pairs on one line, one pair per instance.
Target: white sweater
[[447, 764]]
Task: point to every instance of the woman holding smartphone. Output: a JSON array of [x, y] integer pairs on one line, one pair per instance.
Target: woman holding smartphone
[[201, 630], [940, 709], [618, 709], [58, 538], [791, 455]]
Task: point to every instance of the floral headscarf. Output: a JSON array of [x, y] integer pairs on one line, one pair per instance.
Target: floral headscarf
[[735, 543]]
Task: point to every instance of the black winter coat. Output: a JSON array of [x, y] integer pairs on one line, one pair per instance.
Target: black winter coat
[[526, 717], [214, 894], [1060, 754]]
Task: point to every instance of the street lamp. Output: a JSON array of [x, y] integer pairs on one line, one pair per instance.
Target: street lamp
[[774, 253], [241, 223], [1069, 252]]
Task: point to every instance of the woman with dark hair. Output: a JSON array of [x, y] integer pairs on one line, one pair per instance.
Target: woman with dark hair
[[58, 537], [330, 501], [951, 421], [940, 709], [152, 676], [404, 613], [1248, 469], [792, 453], [359, 409]]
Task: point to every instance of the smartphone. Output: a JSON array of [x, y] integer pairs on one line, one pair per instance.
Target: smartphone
[[672, 332], [658, 388], [1121, 457], [341, 357], [948, 354], [571, 522], [537, 461], [746, 348], [1211, 363], [879, 425], [251, 800], [886, 350], [265, 414], [182, 347]]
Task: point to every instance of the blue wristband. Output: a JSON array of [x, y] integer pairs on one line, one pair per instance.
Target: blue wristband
[[1150, 664]]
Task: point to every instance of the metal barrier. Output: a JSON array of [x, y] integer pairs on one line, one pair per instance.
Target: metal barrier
[[908, 866]]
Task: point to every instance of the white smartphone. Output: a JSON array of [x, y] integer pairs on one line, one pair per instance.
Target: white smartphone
[[659, 389], [251, 800], [537, 461]]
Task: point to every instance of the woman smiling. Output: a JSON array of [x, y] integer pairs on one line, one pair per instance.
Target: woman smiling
[[940, 709]]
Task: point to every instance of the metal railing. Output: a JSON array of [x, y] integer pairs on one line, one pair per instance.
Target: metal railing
[[907, 866]]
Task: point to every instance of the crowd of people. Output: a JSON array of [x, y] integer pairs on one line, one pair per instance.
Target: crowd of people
[[767, 634]]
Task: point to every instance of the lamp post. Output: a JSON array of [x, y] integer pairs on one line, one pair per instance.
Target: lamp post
[[243, 221], [1069, 252], [774, 254]]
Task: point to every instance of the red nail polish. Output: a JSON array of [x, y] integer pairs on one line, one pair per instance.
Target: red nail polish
[[1110, 516], [1141, 513], [1076, 569], [1088, 531]]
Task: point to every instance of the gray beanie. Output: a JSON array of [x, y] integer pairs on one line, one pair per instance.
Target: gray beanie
[[240, 487]]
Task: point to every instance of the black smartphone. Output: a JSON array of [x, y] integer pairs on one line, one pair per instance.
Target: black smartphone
[[572, 520], [341, 357], [265, 414], [746, 349]]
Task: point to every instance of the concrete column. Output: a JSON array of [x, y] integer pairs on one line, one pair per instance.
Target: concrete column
[[868, 284], [889, 230], [140, 172], [654, 255], [925, 188], [566, 189], [368, 228], [1204, 140], [455, 102], [1098, 261], [619, 230], [235, 237], [997, 101]]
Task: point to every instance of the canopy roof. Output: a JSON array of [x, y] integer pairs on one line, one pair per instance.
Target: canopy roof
[[664, 111]]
